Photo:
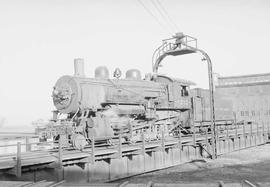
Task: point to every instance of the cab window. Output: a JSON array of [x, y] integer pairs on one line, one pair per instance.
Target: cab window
[[184, 91]]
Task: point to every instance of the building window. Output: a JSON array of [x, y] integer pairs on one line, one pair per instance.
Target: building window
[[246, 113], [242, 113], [253, 113]]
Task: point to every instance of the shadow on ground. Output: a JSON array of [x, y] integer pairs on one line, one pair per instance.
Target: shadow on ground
[[251, 164]]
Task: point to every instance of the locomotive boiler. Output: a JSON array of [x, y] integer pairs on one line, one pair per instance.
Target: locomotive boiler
[[102, 108]]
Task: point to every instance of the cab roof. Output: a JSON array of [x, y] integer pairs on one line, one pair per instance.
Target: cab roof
[[178, 80]]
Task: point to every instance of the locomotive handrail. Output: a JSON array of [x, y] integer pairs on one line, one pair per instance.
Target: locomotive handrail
[[58, 141]]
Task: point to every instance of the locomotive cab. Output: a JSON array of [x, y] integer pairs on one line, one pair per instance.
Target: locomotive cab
[[178, 92]]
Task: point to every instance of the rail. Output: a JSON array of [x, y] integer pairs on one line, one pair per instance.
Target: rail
[[244, 183]]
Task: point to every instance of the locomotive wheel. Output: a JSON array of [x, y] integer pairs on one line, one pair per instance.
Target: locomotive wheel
[[78, 141]]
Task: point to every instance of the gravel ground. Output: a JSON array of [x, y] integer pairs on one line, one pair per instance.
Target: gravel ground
[[252, 164]]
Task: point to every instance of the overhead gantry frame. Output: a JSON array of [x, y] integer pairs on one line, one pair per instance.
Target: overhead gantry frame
[[181, 44]]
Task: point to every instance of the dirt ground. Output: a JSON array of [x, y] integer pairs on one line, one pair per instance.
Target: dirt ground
[[251, 164]]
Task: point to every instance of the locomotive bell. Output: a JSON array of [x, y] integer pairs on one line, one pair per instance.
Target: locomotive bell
[[133, 74], [117, 73], [101, 72]]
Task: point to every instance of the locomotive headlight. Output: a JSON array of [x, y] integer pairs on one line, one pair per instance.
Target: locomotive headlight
[[55, 91], [66, 94], [62, 96]]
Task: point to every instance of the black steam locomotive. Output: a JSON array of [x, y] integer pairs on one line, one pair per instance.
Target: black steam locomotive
[[102, 108]]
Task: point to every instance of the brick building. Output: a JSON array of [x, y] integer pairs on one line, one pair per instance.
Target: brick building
[[250, 95]]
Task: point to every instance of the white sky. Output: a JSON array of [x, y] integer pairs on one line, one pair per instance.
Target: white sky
[[39, 40]]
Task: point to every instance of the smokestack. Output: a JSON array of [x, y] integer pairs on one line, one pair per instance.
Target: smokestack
[[79, 67]]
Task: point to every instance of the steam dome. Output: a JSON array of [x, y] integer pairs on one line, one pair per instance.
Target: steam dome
[[133, 74], [102, 72]]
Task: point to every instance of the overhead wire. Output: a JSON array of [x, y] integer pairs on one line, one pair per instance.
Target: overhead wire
[[168, 16], [153, 16], [166, 19]]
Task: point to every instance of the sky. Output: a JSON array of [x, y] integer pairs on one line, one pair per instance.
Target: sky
[[40, 38]]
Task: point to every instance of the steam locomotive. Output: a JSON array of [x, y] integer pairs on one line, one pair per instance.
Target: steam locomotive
[[101, 108]]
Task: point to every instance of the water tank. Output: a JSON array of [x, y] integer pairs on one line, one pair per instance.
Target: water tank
[[133, 74], [102, 72]]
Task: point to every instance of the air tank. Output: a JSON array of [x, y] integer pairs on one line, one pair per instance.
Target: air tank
[[133, 74], [101, 72]]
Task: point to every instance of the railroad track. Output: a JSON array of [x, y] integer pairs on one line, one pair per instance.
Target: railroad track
[[44, 183]]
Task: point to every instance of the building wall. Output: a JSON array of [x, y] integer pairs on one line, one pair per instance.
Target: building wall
[[244, 79], [250, 95]]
